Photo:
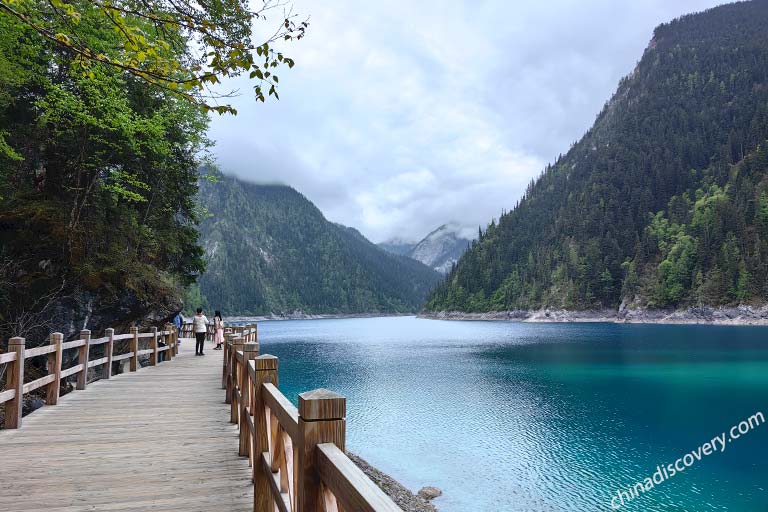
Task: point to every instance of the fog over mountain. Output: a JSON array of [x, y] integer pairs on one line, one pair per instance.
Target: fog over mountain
[[440, 249], [399, 114]]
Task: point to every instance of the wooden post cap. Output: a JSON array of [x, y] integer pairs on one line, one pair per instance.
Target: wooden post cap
[[57, 337], [133, 329], [322, 404], [109, 331], [16, 342], [85, 332], [251, 347], [265, 362]]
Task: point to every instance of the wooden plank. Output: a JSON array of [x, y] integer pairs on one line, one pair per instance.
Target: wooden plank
[[72, 344], [35, 384], [8, 394], [153, 359], [287, 414], [71, 371], [122, 356], [264, 371], [54, 368], [144, 352], [134, 348], [281, 499], [320, 421], [146, 335], [97, 362], [110, 351], [15, 380], [8, 357], [119, 337], [99, 341], [39, 351], [82, 357], [352, 488]]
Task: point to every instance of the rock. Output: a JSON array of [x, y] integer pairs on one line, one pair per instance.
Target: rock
[[429, 493], [403, 498], [31, 405]]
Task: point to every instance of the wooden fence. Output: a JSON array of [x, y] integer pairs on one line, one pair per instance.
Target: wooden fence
[[17, 355], [297, 455], [186, 331]]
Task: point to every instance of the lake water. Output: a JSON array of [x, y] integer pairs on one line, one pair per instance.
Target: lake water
[[542, 417]]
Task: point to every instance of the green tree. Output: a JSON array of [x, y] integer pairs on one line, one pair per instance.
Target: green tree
[[181, 46]]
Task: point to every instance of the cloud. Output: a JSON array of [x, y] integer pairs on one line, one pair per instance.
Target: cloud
[[401, 116]]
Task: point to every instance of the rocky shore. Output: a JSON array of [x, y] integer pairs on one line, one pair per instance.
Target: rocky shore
[[402, 496], [737, 315]]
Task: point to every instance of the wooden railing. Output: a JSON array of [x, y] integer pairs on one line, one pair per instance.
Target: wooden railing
[[297, 455], [187, 331], [16, 388]]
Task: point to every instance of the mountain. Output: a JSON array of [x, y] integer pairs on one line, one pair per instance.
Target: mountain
[[662, 204], [440, 249], [398, 246], [270, 250]]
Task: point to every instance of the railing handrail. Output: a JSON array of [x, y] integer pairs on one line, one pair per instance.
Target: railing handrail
[[17, 355], [296, 454]]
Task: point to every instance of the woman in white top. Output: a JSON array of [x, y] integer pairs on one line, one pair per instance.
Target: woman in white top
[[200, 326]]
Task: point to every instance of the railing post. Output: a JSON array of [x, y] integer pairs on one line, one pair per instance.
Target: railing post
[[153, 355], [250, 351], [229, 367], [237, 371], [134, 348], [15, 381], [227, 335], [168, 338], [265, 371], [175, 332], [54, 368], [82, 357], [109, 350], [321, 420]]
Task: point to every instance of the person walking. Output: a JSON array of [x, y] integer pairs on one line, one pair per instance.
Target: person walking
[[218, 330], [200, 326]]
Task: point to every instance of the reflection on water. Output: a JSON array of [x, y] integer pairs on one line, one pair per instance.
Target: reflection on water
[[541, 417]]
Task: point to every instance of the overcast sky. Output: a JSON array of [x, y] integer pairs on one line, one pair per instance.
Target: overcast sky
[[402, 115]]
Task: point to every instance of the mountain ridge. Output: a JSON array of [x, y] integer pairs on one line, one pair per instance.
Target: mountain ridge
[[270, 251], [440, 249], [663, 202]]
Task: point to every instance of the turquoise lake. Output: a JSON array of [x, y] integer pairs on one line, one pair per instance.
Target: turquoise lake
[[542, 417]]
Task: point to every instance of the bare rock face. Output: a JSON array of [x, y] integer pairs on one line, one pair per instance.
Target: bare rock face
[[429, 493], [97, 311]]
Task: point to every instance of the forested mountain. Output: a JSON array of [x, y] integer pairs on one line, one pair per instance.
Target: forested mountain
[[664, 201], [270, 250], [440, 249]]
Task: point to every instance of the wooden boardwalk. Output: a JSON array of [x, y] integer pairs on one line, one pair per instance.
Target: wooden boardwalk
[[155, 440]]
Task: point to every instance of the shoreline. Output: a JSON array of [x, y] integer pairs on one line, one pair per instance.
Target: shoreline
[[705, 315], [405, 498], [309, 316]]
